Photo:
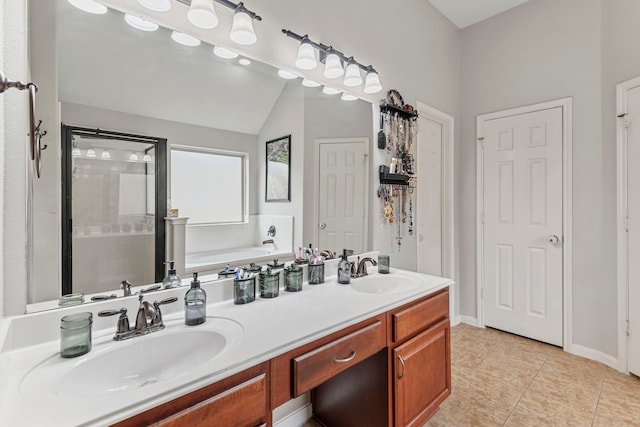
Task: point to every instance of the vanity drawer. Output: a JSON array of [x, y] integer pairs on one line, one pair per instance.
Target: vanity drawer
[[406, 322], [315, 367]]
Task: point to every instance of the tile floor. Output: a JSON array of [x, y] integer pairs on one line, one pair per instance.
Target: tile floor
[[501, 379]]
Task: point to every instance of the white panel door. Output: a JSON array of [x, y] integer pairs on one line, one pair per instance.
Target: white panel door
[[522, 271], [342, 196], [633, 205], [429, 209]]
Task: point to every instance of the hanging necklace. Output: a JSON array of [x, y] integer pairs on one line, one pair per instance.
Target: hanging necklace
[[410, 216]]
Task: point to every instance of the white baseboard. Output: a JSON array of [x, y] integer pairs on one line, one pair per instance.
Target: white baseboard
[[454, 321], [596, 355], [469, 320], [297, 418]]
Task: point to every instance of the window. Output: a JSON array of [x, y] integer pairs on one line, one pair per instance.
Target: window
[[209, 186]]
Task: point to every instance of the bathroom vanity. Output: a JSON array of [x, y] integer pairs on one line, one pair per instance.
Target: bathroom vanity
[[375, 352]]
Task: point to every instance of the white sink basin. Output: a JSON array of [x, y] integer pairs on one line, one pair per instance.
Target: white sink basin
[[386, 283], [137, 362]]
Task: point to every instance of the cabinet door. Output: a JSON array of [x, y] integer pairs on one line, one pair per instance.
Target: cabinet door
[[422, 375]]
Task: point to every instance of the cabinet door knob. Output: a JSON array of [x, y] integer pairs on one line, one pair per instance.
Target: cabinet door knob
[[346, 359], [400, 375]]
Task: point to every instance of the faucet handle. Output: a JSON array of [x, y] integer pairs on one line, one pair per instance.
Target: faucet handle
[[151, 289], [157, 319], [123, 321]]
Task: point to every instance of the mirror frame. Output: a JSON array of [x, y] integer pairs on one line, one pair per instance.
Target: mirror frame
[[67, 133]]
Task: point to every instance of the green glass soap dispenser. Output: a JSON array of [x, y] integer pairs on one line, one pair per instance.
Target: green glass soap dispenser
[[172, 280], [195, 304]]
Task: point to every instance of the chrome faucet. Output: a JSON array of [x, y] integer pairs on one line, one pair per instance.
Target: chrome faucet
[[126, 288], [148, 319], [362, 266]]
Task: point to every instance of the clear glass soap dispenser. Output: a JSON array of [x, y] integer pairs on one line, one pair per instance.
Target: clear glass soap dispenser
[[344, 269], [172, 280], [195, 304]]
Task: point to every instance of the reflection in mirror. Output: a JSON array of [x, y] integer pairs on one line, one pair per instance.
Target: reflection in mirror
[[114, 186], [118, 78]]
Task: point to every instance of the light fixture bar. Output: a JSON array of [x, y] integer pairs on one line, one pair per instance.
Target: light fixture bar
[[325, 50], [231, 5]]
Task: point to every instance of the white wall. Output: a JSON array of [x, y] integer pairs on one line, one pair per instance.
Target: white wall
[[543, 50], [286, 118], [14, 145]]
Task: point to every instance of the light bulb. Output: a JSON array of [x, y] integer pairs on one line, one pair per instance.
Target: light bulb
[[352, 75], [185, 39], [156, 5], [310, 83], [90, 6], [242, 28], [75, 152], [147, 158], [91, 153], [225, 53], [105, 155], [327, 90], [202, 14], [306, 59], [348, 97], [140, 23], [287, 74], [372, 82], [133, 157]]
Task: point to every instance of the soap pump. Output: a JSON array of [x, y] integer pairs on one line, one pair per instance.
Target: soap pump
[[195, 304], [344, 269], [172, 280]]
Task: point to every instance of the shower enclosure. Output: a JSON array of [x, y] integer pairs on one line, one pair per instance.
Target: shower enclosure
[[114, 197]]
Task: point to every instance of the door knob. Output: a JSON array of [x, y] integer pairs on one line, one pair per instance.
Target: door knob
[[554, 240], [322, 226]]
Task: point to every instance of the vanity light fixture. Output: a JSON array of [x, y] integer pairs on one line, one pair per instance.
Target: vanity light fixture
[[333, 65], [106, 155], [334, 60], [285, 74], [185, 39], [156, 5], [91, 153], [348, 97], [306, 59], [244, 61], [310, 83], [328, 90], [75, 152], [90, 6], [372, 81], [133, 157], [140, 23], [352, 75], [223, 52], [147, 158], [202, 14], [242, 28]]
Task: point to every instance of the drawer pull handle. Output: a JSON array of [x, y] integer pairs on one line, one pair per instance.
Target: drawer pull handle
[[403, 367], [346, 359]]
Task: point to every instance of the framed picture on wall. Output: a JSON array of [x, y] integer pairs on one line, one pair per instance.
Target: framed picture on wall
[[278, 179]]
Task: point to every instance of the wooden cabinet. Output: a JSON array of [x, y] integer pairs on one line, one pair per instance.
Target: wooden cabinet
[[240, 400], [421, 375]]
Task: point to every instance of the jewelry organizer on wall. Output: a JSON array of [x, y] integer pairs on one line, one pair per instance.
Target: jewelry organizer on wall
[[397, 137]]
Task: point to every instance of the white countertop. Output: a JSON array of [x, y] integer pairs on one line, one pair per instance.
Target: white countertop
[[270, 327]]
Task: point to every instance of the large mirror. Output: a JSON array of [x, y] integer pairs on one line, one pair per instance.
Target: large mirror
[[98, 72]]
